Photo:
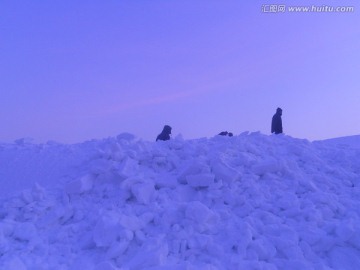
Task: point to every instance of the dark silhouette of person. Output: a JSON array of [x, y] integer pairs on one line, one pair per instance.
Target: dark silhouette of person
[[276, 123], [225, 133], [165, 134]]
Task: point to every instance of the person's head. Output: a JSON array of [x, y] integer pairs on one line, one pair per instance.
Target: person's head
[[167, 129], [279, 111]]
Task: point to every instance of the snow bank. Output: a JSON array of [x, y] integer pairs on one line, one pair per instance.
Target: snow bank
[[245, 202]]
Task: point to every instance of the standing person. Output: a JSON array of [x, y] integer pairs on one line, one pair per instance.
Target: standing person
[[276, 123], [165, 134]]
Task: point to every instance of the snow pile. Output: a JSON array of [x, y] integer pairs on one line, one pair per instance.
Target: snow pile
[[246, 202]]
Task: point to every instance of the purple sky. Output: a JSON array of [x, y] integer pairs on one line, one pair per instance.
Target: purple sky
[[77, 70]]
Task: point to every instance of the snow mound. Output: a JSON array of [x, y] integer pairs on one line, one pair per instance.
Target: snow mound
[[349, 141], [245, 202]]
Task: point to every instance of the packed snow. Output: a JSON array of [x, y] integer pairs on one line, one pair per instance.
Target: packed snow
[[250, 201]]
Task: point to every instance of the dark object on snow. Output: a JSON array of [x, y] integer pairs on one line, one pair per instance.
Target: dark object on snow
[[225, 133], [276, 123], [165, 134]]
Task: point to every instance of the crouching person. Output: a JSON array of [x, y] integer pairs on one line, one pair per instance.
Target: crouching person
[[165, 134], [225, 133]]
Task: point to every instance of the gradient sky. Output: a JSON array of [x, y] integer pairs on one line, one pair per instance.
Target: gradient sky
[[76, 70]]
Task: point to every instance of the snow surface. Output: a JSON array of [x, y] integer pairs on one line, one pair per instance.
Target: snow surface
[[245, 202], [349, 141]]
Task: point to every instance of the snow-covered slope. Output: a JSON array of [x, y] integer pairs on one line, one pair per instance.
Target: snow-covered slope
[[349, 141], [23, 164], [246, 202]]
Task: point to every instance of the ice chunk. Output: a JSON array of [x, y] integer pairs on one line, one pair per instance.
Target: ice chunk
[[24, 141], [106, 230], [4, 245], [128, 167], [38, 192], [82, 263], [14, 263], [198, 212], [224, 172], [266, 166], [151, 254], [264, 249], [200, 180], [116, 249], [80, 185], [345, 258], [193, 167], [125, 136], [25, 231], [143, 192], [168, 181], [132, 223], [106, 265], [345, 231]]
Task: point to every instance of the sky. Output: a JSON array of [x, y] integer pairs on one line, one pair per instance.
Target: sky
[[77, 70]]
